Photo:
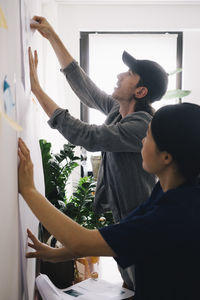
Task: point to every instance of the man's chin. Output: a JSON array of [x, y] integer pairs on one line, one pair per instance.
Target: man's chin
[[115, 96]]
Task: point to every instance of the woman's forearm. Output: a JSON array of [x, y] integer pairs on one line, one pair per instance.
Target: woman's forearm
[[78, 240], [60, 226]]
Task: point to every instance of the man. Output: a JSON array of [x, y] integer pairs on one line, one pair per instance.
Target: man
[[122, 183]]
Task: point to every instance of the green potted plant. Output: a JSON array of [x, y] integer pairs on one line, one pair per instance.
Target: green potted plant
[[57, 169], [79, 206]]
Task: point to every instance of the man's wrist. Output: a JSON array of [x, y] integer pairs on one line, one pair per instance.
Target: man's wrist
[[53, 38], [37, 91]]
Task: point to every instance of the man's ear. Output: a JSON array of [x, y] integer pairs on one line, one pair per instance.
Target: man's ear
[[141, 92]]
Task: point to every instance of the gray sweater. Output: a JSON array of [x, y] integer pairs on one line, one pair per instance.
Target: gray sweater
[[122, 183]]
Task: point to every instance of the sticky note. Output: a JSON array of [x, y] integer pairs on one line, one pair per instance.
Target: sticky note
[[10, 121], [3, 22], [7, 97]]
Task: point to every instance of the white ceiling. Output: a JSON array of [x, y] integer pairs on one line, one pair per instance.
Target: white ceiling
[[130, 2]]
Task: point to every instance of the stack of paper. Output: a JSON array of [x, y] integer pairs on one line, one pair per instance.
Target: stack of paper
[[89, 289]]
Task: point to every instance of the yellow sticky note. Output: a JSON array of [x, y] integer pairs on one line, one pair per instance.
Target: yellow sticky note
[[10, 121], [3, 22]]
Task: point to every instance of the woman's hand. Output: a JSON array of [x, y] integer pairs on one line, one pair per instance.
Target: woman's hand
[[33, 62], [42, 251], [25, 170], [42, 25]]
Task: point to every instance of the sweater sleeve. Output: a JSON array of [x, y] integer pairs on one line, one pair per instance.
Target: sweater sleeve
[[124, 136], [86, 90]]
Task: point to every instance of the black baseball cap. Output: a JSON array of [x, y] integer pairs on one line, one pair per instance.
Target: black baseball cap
[[152, 74]]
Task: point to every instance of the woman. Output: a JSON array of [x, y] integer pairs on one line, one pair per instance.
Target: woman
[[162, 236]]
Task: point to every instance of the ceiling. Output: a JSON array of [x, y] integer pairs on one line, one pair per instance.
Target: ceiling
[[130, 2]]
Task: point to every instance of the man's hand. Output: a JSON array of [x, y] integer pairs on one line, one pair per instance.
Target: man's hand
[[33, 62], [43, 27], [42, 251], [47, 103], [25, 170]]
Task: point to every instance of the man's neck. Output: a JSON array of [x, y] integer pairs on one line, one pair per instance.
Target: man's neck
[[127, 108]]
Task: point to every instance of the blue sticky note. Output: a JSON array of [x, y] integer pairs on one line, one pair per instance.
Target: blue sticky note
[[8, 98]]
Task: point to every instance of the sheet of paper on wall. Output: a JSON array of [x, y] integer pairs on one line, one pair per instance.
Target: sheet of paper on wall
[[3, 22], [23, 261], [7, 98], [26, 33], [89, 289]]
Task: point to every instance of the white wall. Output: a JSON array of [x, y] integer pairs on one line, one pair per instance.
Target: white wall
[[17, 275], [9, 229], [51, 75]]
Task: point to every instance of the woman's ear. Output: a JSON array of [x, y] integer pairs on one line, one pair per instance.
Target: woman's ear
[[141, 92], [167, 158]]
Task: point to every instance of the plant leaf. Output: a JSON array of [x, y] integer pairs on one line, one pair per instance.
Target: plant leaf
[[171, 94], [175, 71]]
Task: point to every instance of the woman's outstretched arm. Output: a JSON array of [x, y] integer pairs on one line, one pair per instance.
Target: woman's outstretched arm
[[78, 240]]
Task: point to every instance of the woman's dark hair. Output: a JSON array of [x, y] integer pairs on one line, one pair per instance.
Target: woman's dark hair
[[176, 129], [143, 104]]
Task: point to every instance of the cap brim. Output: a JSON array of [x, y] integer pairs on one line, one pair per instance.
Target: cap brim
[[130, 61]]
